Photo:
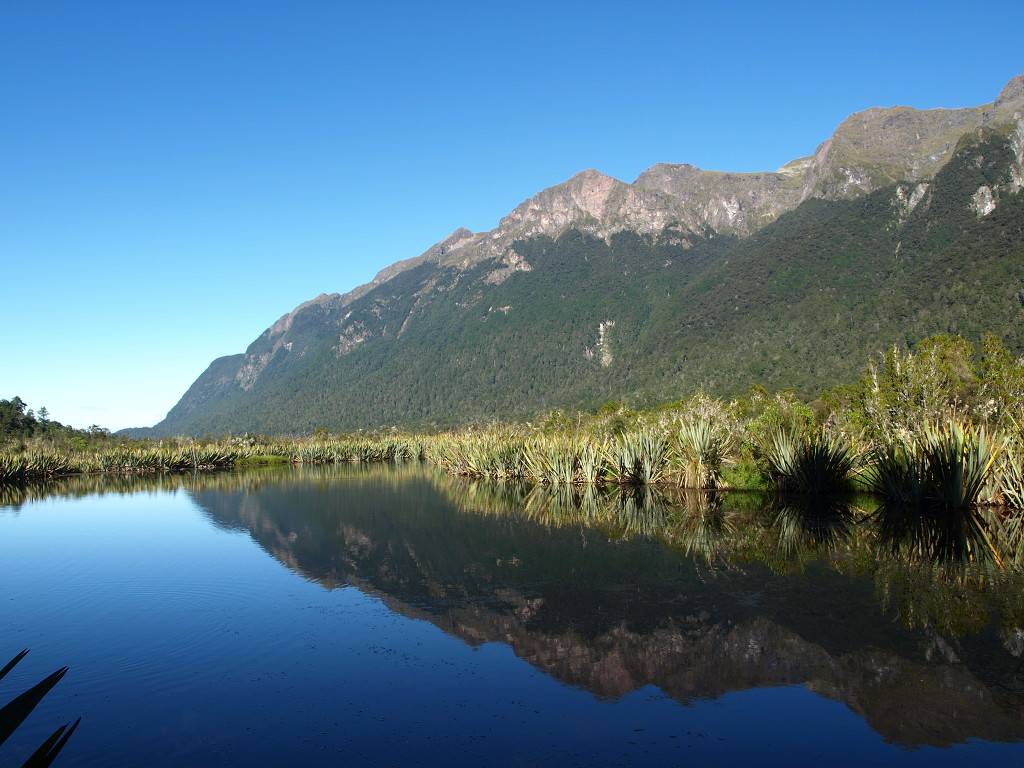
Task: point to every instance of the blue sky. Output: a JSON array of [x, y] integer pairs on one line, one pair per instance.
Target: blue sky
[[175, 176]]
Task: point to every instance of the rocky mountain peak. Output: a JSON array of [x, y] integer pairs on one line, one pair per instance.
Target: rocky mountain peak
[[587, 192], [1012, 93], [582, 200], [458, 235], [652, 176], [456, 240]]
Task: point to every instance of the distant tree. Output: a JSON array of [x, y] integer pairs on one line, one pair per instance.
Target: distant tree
[[44, 414], [15, 419]]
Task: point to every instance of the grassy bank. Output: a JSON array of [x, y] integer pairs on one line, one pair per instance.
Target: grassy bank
[[955, 461]]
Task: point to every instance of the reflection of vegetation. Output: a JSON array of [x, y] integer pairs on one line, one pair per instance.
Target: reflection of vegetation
[[703, 528], [614, 588], [73, 486], [956, 601], [728, 529], [18, 709], [939, 535], [816, 524], [717, 527]]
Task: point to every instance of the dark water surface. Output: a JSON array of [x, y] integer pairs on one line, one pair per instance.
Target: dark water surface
[[389, 616]]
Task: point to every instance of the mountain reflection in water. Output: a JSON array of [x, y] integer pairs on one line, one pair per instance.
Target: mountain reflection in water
[[696, 595], [699, 595]]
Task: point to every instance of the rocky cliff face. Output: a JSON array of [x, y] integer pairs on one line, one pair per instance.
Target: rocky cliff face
[[676, 206]]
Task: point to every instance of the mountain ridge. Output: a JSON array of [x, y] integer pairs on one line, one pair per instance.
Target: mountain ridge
[[662, 177], [677, 210]]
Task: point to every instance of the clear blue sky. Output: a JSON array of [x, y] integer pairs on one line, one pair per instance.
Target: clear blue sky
[[175, 176]]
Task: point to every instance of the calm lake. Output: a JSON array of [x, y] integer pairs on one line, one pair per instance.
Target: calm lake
[[392, 616]]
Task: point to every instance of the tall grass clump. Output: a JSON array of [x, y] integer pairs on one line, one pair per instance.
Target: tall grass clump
[[551, 461], [945, 468], [563, 461], [815, 465], [699, 450], [637, 458], [487, 455], [34, 464]]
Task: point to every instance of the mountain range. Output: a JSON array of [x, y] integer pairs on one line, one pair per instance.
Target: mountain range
[[903, 223]]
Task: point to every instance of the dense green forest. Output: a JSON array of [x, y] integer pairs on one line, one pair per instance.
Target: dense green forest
[[21, 426], [800, 304]]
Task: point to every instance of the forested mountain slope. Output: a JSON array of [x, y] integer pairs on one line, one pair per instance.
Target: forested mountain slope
[[597, 289]]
